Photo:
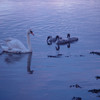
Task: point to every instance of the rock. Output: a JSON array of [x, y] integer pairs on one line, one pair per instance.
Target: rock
[[94, 90], [97, 77], [76, 86], [94, 52], [56, 56], [76, 98]]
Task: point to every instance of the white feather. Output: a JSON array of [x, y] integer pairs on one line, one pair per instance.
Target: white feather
[[13, 45]]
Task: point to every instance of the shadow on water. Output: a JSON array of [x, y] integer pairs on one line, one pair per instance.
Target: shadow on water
[[11, 58]]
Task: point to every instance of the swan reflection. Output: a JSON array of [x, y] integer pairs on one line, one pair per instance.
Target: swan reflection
[[11, 58], [58, 46], [29, 64]]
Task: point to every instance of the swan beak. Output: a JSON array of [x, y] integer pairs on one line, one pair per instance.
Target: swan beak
[[31, 32]]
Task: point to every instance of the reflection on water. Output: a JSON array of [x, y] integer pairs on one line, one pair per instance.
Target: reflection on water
[[58, 46], [12, 58], [29, 64]]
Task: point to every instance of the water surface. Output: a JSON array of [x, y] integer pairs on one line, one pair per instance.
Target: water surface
[[44, 75]]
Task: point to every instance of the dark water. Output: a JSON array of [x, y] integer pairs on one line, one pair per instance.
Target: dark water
[[46, 74]]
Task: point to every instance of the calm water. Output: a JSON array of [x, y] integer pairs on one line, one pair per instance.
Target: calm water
[[40, 76]]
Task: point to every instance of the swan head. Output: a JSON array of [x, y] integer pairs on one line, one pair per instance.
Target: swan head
[[68, 35], [57, 37], [30, 32]]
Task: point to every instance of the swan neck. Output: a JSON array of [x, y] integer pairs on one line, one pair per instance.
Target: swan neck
[[29, 43]]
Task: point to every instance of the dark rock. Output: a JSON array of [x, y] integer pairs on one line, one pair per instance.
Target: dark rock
[[76, 98], [98, 96], [66, 56], [94, 90], [97, 77], [81, 55], [56, 56], [94, 52], [76, 86]]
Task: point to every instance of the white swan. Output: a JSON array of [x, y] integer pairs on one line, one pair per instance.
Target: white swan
[[13, 45]]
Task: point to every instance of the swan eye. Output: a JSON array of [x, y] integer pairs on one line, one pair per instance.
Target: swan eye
[[31, 31]]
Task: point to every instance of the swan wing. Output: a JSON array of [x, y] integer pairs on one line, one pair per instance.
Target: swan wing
[[73, 39], [15, 44], [9, 39]]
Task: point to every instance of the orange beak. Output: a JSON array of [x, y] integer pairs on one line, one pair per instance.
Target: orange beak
[[31, 32]]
